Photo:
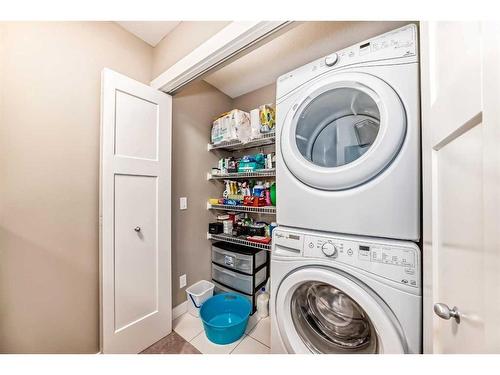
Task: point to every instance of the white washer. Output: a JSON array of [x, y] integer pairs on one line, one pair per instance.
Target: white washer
[[348, 140], [344, 294]]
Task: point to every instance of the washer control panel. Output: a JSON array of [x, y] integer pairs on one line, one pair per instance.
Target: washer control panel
[[398, 261], [389, 260]]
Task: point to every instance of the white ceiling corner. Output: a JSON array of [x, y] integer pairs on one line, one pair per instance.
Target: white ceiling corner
[[149, 31]]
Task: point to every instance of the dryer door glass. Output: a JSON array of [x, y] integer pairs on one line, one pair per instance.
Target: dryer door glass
[[337, 127], [342, 131], [329, 321]]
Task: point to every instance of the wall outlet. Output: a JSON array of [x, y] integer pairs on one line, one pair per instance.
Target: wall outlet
[[183, 203], [182, 281]]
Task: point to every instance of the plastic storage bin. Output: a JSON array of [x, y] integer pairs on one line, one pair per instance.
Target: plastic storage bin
[[238, 281], [197, 294], [225, 317], [239, 258]]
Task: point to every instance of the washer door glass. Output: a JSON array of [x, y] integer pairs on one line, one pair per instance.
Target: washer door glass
[[337, 127], [329, 321]]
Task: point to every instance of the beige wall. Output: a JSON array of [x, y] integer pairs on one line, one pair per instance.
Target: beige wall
[[49, 176], [191, 161], [264, 95], [49, 168], [183, 39]]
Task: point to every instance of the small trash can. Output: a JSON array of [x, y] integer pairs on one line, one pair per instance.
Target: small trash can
[[197, 294]]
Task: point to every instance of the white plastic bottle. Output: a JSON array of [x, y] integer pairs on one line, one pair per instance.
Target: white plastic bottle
[[263, 304]]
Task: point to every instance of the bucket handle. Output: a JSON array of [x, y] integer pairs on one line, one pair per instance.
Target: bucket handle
[[228, 297], [194, 303]]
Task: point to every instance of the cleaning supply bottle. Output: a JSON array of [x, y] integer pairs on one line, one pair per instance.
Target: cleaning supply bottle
[[268, 197], [258, 189], [273, 194], [263, 304]]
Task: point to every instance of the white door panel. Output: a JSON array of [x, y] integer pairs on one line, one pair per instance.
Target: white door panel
[[136, 307], [459, 259], [460, 118], [136, 249], [491, 174], [455, 72], [137, 125]]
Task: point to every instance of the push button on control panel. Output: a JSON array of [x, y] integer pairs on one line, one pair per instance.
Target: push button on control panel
[[389, 256]]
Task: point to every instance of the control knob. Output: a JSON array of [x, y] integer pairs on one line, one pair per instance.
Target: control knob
[[329, 249], [332, 59]]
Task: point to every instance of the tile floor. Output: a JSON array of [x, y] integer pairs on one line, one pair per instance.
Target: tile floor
[[255, 341]]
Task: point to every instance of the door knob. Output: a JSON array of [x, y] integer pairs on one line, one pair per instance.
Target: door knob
[[137, 229], [444, 312]]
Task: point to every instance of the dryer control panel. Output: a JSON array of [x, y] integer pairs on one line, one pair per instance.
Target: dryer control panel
[[398, 261], [397, 46]]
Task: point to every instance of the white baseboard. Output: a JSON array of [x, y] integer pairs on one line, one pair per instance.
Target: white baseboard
[[179, 310]]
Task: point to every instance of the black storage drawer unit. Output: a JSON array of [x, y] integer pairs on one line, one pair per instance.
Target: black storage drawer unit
[[239, 281], [239, 269], [239, 258]]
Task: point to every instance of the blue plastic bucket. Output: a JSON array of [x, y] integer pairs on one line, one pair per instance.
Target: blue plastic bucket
[[225, 317]]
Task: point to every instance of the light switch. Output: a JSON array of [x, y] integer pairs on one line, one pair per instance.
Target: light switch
[[183, 203]]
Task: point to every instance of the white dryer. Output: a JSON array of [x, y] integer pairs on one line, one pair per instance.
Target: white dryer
[[344, 294], [348, 140]]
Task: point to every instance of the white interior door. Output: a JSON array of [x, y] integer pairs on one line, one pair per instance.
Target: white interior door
[[460, 117], [136, 306]]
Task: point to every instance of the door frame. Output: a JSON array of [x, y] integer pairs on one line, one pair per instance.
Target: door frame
[[427, 264], [225, 45]]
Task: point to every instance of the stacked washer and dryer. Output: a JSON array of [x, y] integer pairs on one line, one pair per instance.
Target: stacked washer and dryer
[[345, 264]]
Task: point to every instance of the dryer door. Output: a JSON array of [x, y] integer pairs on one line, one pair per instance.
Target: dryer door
[[343, 131], [321, 310]]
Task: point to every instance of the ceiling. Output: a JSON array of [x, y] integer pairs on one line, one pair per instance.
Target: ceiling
[[149, 31], [302, 44]]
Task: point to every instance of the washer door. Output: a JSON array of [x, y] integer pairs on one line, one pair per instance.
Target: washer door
[[321, 310], [343, 131]]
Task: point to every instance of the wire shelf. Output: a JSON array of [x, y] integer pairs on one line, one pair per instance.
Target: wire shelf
[[238, 241], [258, 173], [264, 140], [226, 207]]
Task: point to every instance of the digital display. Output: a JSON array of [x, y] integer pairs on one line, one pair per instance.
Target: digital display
[[293, 237], [364, 248], [364, 46]]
